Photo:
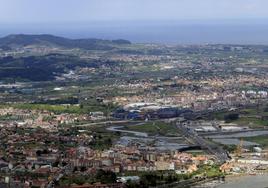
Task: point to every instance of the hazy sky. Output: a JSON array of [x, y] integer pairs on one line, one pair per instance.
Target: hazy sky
[[48, 11]]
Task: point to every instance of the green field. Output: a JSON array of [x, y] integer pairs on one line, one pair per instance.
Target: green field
[[58, 109], [154, 128], [209, 171], [256, 116], [252, 122], [262, 140]]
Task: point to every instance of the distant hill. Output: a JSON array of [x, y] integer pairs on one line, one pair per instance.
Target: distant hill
[[38, 68], [45, 67], [21, 40]]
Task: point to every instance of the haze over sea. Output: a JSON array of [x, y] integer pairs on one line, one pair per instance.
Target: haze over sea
[[168, 32]]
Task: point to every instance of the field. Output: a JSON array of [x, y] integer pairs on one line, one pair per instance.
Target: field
[[58, 109], [254, 117], [252, 122], [154, 128], [262, 140]]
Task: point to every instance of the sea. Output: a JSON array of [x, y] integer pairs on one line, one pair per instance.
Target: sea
[[247, 181], [257, 181], [163, 32]]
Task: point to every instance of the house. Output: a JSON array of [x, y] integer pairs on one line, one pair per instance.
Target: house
[[184, 169], [125, 179], [164, 165]]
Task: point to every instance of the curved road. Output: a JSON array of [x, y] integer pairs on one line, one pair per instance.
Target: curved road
[[119, 129], [138, 134]]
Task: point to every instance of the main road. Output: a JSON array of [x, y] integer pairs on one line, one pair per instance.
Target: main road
[[211, 148], [186, 130]]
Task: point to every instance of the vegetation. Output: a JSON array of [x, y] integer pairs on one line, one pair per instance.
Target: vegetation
[[50, 40], [153, 179], [39, 68], [154, 128], [65, 100], [254, 116], [102, 139], [209, 171], [231, 117], [230, 148], [58, 109], [262, 140], [252, 121], [101, 176]]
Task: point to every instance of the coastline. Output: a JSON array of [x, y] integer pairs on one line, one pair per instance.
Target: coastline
[[233, 180], [259, 180]]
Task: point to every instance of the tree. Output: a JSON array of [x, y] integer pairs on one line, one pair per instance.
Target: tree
[[106, 176], [231, 117], [83, 169]]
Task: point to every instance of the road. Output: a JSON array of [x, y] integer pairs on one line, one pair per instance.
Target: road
[[119, 129], [139, 134], [103, 123], [211, 148]]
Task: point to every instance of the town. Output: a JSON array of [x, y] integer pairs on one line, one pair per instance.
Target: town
[[132, 115]]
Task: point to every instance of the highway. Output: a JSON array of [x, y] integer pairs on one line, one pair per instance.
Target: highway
[[103, 123], [211, 148]]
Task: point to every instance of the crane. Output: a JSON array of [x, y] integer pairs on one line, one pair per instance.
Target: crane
[[239, 149]]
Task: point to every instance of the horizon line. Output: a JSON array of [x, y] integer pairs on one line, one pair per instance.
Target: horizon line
[[152, 43]]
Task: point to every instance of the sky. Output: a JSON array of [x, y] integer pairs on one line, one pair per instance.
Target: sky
[[67, 11], [157, 21]]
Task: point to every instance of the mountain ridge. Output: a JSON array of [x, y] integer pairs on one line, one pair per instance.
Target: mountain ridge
[[23, 40]]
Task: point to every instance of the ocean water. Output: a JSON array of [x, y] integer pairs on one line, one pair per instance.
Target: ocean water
[[258, 181], [169, 32]]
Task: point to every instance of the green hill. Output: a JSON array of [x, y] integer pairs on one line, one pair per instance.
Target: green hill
[[21, 40]]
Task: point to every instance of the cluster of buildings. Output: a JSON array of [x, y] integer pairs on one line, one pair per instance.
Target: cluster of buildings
[[42, 118], [247, 166], [35, 151], [132, 159], [212, 94], [34, 157], [148, 111]]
